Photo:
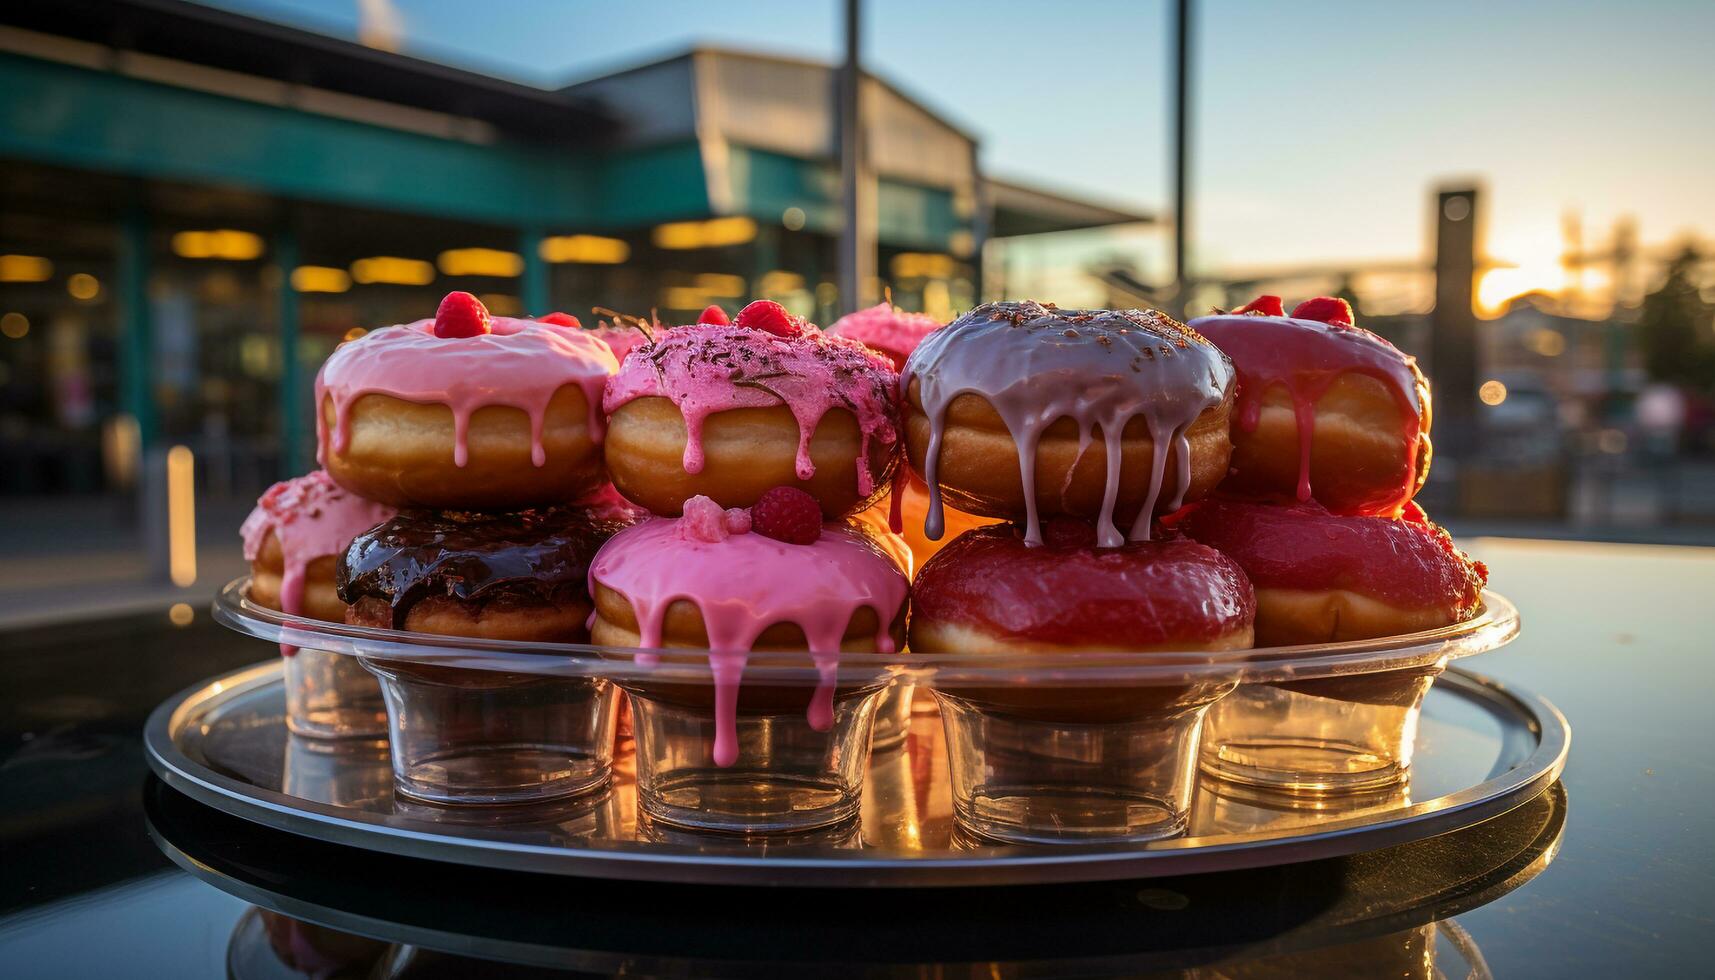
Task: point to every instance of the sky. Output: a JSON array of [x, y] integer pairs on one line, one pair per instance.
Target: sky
[[1320, 126]]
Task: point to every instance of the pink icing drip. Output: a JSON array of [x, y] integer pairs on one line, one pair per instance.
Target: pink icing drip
[[520, 364], [704, 369], [312, 516], [1035, 365], [818, 587]]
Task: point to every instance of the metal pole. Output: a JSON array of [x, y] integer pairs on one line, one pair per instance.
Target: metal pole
[[857, 234], [534, 292], [136, 335], [293, 416], [1181, 154]]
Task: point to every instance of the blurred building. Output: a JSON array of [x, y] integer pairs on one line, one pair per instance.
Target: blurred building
[[196, 206]]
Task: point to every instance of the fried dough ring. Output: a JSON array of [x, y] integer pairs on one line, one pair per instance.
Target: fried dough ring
[[1356, 463], [401, 453], [320, 599], [746, 452], [978, 468]]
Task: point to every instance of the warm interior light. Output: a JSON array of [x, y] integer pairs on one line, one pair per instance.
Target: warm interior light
[[222, 243], [15, 326], [589, 249], [923, 265], [792, 219], [393, 270], [714, 233], [1492, 392], [717, 284], [481, 262], [82, 285], [684, 298], [1547, 342], [779, 281], [353, 334], [25, 268], [181, 614], [320, 279], [181, 517], [501, 304]]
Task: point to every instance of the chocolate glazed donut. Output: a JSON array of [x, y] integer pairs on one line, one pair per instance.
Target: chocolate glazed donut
[[518, 576], [1022, 410]]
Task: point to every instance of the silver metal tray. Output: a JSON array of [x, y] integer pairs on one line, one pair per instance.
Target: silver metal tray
[[1482, 749]]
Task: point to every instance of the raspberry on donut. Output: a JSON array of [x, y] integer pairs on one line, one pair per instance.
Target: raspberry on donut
[[729, 412], [431, 414], [294, 539], [1322, 577], [1326, 410], [1021, 410]]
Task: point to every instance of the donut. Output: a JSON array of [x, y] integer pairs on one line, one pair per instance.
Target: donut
[[510, 576], [293, 540], [1326, 410], [716, 580], [465, 412], [1021, 410], [732, 411], [887, 329], [990, 591], [1322, 577]]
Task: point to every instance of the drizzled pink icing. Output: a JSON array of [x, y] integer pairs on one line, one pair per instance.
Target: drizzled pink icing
[[1036, 364], [1306, 357], [816, 586], [311, 516], [520, 364], [886, 328], [705, 368]]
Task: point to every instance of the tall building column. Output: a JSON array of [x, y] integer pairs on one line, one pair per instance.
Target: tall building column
[[136, 332], [293, 415], [533, 289]]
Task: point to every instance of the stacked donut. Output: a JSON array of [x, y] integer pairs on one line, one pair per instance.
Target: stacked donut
[[481, 430], [1282, 452], [753, 442]]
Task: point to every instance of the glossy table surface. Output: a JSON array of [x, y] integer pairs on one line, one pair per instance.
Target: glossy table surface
[[1612, 876]]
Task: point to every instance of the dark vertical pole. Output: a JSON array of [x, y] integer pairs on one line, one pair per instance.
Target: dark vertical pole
[[293, 416], [1181, 154], [533, 291], [857, 184], [136, 332], [1453, 342]]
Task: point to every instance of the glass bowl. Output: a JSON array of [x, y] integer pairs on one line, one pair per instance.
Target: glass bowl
[[1042, 748]]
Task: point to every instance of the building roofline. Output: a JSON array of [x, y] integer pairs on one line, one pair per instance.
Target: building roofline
[[207, 36]]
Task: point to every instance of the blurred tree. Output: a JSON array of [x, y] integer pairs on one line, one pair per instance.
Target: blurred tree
[[1676, 327]]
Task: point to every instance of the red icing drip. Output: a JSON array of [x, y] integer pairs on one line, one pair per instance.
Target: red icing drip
[[1306, 357], [1301, 546], [1069, 592]]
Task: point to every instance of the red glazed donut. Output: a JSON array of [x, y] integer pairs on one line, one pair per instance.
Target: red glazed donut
[[1327, 411], [1321, 577]]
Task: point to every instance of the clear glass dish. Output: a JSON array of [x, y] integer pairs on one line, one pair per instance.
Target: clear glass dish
[[1042, 748]]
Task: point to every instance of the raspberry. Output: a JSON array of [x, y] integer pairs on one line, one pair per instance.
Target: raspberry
[[461, 315], [770, 317], [787, 514], [714, 315], [561, 320], [704, 520], [1266, 305], [1328, 309]]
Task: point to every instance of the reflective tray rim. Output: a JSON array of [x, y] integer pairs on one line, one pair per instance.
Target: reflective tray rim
[[1496, 624], [1520, 712]]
